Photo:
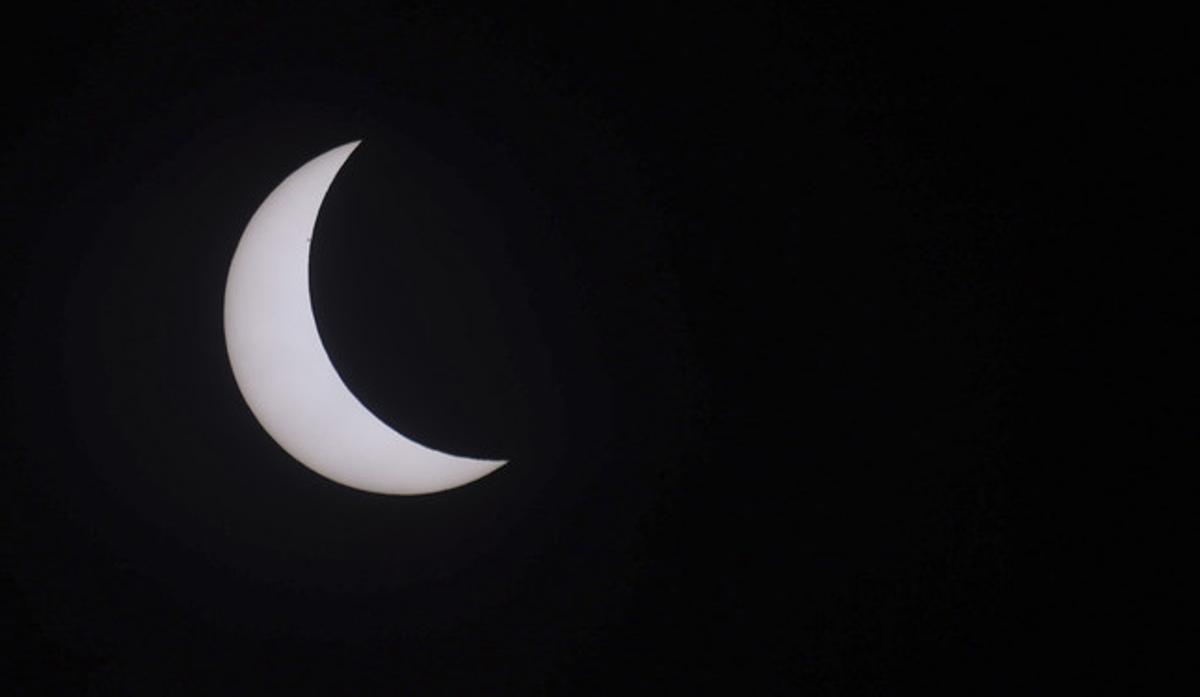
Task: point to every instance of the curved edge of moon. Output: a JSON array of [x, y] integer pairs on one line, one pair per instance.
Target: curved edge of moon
[[283, 371]]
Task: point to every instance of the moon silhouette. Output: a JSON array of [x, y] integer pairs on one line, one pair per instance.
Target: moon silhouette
[[283, 370]]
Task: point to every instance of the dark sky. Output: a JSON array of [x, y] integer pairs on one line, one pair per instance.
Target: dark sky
[[750, 298]]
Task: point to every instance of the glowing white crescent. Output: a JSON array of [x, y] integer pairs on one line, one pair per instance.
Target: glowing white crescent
[[281, 366]]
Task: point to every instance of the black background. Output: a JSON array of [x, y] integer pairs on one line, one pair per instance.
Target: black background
[[751, 298]]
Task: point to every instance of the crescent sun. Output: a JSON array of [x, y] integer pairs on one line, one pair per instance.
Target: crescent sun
[[281, 367]]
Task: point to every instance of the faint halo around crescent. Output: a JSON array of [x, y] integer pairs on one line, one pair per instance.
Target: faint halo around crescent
[[281, 366]]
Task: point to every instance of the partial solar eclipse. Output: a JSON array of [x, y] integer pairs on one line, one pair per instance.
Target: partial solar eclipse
[[281, 366]]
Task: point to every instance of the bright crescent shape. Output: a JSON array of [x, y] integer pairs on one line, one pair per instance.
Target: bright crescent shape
[[281, 366]]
